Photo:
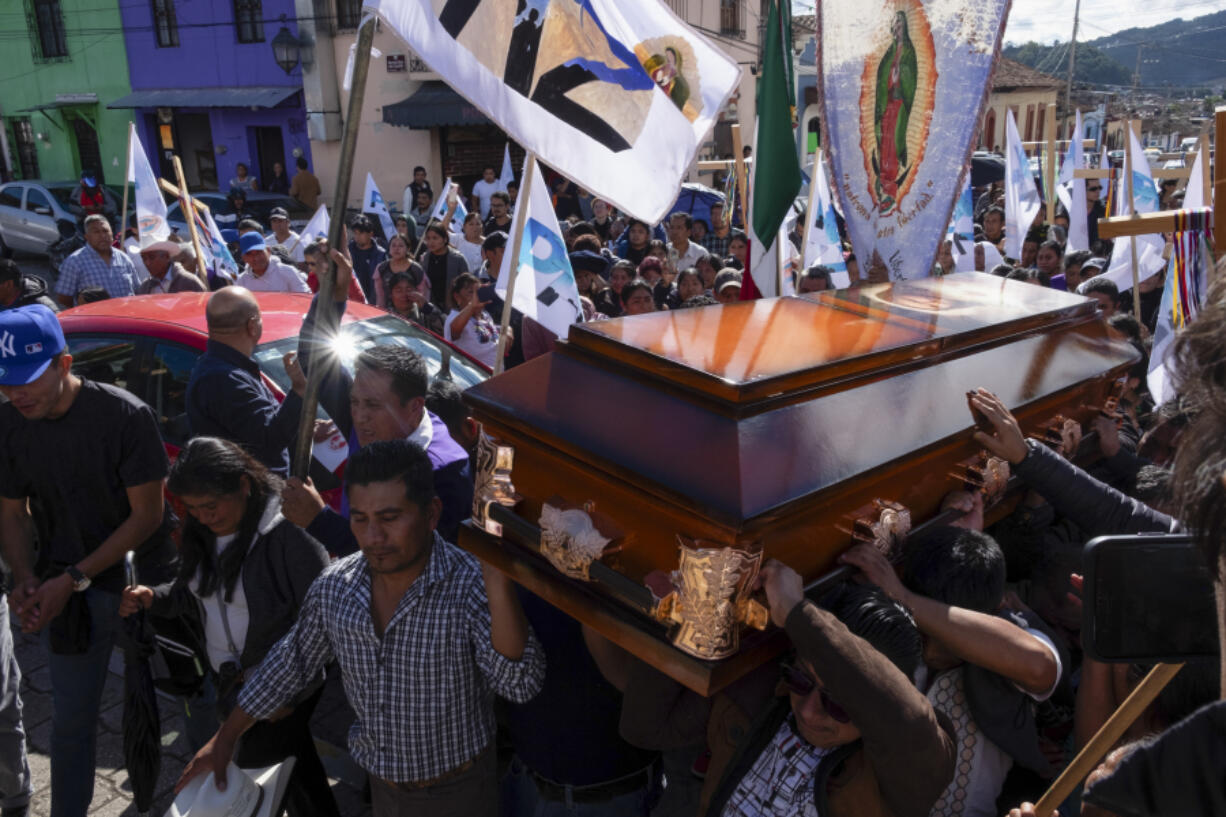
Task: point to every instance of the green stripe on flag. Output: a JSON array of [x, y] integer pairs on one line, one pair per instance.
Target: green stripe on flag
[[776, 171]]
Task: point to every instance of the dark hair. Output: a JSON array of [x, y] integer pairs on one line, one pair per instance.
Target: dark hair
[[689, 220], [1153, 485], [9, 271], [1019, 274], [301, 162], [251, 224], [625, 266], [392, 282], [494, 241], [1055, 246], [208, 466], [647, 264], [686, 273], [698, 300], [317, 248], [282, 254], [361, 223], [445, 400], [501, 196], [405, 367], [1000, 211], [489, 167], [634, 286], [1076, 259], [419, 167], [393, 460], [585, 241], [582, 228], [819, 271], [1002, 270], [440, 231], [703, 222], [1126, 324], [1103, 284], [872, 615], [656, 245], [963, 568], [459, 282], [634, 221]]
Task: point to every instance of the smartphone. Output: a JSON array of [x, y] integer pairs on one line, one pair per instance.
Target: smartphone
[[486, 293], [1148, 598]]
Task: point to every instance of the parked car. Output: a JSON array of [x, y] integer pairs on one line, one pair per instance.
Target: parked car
[[34, 214], [259, 205], [149, 345]]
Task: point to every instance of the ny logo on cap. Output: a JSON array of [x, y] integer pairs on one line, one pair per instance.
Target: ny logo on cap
[[6, 345]]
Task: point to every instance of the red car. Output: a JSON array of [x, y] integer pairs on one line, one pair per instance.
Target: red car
[[149, 344]]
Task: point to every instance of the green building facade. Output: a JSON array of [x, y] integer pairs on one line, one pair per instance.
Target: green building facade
[[63, 60]]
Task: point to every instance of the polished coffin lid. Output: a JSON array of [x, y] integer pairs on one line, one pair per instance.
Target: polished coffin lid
[[739, 410]]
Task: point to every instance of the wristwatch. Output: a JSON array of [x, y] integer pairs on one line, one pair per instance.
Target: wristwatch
[[79, 580]]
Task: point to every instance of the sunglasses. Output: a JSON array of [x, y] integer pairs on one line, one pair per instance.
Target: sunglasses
[[802, 684], [1094, 189]]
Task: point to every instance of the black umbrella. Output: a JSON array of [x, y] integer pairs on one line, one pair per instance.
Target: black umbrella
[[142, 729], [987, 168]]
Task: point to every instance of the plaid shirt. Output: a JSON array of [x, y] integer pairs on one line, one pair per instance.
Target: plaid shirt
[[717, 246], [85, 268], [423, 693]]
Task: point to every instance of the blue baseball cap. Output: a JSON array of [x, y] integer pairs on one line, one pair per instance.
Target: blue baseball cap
[[249, 242], [29, 337]]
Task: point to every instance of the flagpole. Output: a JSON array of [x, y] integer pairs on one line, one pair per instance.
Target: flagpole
[[517, 240], [127, 174], [1049, 173], [325, 312], [742, 187], [188, 209], [1132, 128]]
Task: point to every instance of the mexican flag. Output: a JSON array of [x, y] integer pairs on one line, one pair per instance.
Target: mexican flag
[[776, 170]]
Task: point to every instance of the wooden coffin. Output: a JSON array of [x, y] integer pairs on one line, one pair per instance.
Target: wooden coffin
[[779, 428]]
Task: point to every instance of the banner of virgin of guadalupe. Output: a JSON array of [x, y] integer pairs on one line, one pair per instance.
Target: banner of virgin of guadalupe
[[616, 95], [904, 83]]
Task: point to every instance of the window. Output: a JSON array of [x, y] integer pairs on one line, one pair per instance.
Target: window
[[36, 200], [730, 22], [168, 377], [348, 14], [10, 196], [48, 26], [165, 24], [27, 150], [249, 20], [106, 360]]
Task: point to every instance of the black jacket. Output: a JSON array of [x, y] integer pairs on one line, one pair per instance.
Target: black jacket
[[227, 398], [281, 563], [33, 291]]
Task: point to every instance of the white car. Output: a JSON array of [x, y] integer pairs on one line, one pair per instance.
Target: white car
[[34, 214]]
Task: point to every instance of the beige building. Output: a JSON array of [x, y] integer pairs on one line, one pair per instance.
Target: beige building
[[1024, 91], [410, 117]]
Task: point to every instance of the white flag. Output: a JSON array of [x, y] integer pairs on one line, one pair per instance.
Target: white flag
[[317, 228], [1022, 202], [961, 232], [372, 202], [1144, 200], [217, 254], [1072, 192], [545, 287], [147, 196], [823, 245], [1194, 197], [440, 207], [507, 176], [616, 96]]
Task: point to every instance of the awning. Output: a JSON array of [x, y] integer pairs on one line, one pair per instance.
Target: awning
[[256, 97], [433, 105], [64, 101]]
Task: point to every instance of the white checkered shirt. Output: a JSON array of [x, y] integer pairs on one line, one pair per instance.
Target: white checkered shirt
[[423, 694], [85, 268], [780, 782]]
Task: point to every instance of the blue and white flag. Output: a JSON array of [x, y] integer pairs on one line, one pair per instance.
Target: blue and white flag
[[961, 232], [440, 208], [507, 176], [823, 245], [545, 287], [1187, 283], [1022, 201], [372, 202], [1072, 191], [317, 228], [217, 254], [904, 84], [1144, 200], [617, 96], [147, 196]]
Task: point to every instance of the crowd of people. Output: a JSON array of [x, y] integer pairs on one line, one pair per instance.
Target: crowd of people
[[951, 684]]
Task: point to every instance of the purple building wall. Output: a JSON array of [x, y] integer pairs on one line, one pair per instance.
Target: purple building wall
[[209, 56]]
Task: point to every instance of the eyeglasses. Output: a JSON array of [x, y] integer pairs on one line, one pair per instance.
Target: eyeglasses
[[1094, 189], [801, 683]]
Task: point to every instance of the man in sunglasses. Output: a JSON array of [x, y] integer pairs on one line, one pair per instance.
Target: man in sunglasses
[[1094, 209], [837, 729]]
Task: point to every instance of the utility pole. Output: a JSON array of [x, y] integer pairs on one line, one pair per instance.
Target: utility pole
[[1136, 77], [1072, 61]]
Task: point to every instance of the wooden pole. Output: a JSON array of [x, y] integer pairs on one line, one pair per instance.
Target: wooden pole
[[517, 240], [1206, 169], [1219, 183], [325, 313], [1106, 737], [188, 210], [741, 175], [1049, 173], [809, 214], [127, 174], [1134, 127]]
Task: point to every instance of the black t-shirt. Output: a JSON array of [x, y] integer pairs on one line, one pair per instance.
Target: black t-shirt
[[436, 269], [77, 468]]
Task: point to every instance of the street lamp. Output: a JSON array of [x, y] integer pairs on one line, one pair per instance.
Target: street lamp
[[286, 49]]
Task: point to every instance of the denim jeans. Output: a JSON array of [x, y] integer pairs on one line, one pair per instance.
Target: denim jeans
[[521, 798], [15, 785], [76, 692], [200, 721]]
